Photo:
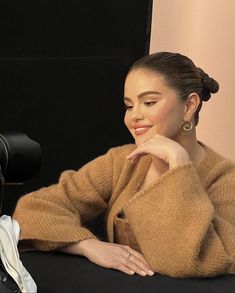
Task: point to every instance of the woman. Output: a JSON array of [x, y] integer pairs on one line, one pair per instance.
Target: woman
[[169, 199]]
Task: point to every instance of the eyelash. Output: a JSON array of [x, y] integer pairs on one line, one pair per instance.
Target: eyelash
[[148, 104], [128, 107]]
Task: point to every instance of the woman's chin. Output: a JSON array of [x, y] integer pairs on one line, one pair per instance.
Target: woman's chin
[[141, 140]]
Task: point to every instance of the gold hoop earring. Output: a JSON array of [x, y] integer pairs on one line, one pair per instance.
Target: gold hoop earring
[[186, 127]]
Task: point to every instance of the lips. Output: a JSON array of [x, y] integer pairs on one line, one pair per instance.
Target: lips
[[141, 129]]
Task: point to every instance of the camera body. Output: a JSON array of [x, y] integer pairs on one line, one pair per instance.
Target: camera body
[[20, 159]]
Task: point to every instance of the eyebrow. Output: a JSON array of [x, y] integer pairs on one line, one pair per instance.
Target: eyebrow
[[148, 93], [141, 95]]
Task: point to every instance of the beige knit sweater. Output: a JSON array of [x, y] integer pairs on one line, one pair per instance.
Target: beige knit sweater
[[184, 222]]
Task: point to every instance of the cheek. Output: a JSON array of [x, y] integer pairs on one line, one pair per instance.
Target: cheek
[[159, 115], [166, 117]]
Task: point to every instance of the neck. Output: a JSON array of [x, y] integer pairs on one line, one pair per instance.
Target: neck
[[190, 144]]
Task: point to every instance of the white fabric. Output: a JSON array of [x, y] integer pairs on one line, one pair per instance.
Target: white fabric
[[9, 237]]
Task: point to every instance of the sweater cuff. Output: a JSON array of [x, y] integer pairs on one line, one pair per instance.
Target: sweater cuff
[[50, 244], [170, 179]]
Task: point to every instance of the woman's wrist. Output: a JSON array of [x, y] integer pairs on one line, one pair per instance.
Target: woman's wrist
[[78, 248], [179, 160], [84, 244]]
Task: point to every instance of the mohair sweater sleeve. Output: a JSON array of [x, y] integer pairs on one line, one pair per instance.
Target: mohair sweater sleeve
[[184, 229], [54, 216]]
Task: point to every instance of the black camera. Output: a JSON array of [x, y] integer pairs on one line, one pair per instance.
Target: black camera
[[20, 159]]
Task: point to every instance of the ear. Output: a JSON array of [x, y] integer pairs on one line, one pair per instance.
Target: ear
[[191, 106]]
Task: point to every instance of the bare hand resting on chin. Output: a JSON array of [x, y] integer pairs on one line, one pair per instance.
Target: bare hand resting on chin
[[163, 148], [111, 255]]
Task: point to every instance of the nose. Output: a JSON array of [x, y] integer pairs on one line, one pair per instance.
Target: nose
[[137, 114]]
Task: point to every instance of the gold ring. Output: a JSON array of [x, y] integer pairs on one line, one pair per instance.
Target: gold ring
[[129, 255]]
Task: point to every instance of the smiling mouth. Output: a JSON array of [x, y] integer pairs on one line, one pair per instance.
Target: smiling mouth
[[141, 130]]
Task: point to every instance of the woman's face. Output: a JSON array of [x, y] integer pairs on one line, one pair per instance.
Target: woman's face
[[152, 107]]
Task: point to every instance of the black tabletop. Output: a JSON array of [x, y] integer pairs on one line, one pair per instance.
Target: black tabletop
[[58, 272]]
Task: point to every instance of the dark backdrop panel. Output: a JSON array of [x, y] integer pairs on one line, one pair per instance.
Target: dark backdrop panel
[[62, 69], [73, 107], [73, 28]]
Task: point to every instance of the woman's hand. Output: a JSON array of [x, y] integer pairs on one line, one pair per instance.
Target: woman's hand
[[163, 148], [112, 256]]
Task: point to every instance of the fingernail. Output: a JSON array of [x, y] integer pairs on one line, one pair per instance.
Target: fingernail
[[143, 273], [151, 273]]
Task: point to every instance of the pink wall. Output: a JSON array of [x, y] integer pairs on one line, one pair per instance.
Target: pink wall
[[204, 30]]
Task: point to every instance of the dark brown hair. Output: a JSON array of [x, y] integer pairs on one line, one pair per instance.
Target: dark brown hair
[[181, 74]]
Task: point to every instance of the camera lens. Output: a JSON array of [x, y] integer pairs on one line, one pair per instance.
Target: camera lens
[[20, 157]]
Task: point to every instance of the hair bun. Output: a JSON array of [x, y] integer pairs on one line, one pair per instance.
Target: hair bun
[[210, 85]]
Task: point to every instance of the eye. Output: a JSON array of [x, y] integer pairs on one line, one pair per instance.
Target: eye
[[149, 103], [128, 107]]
